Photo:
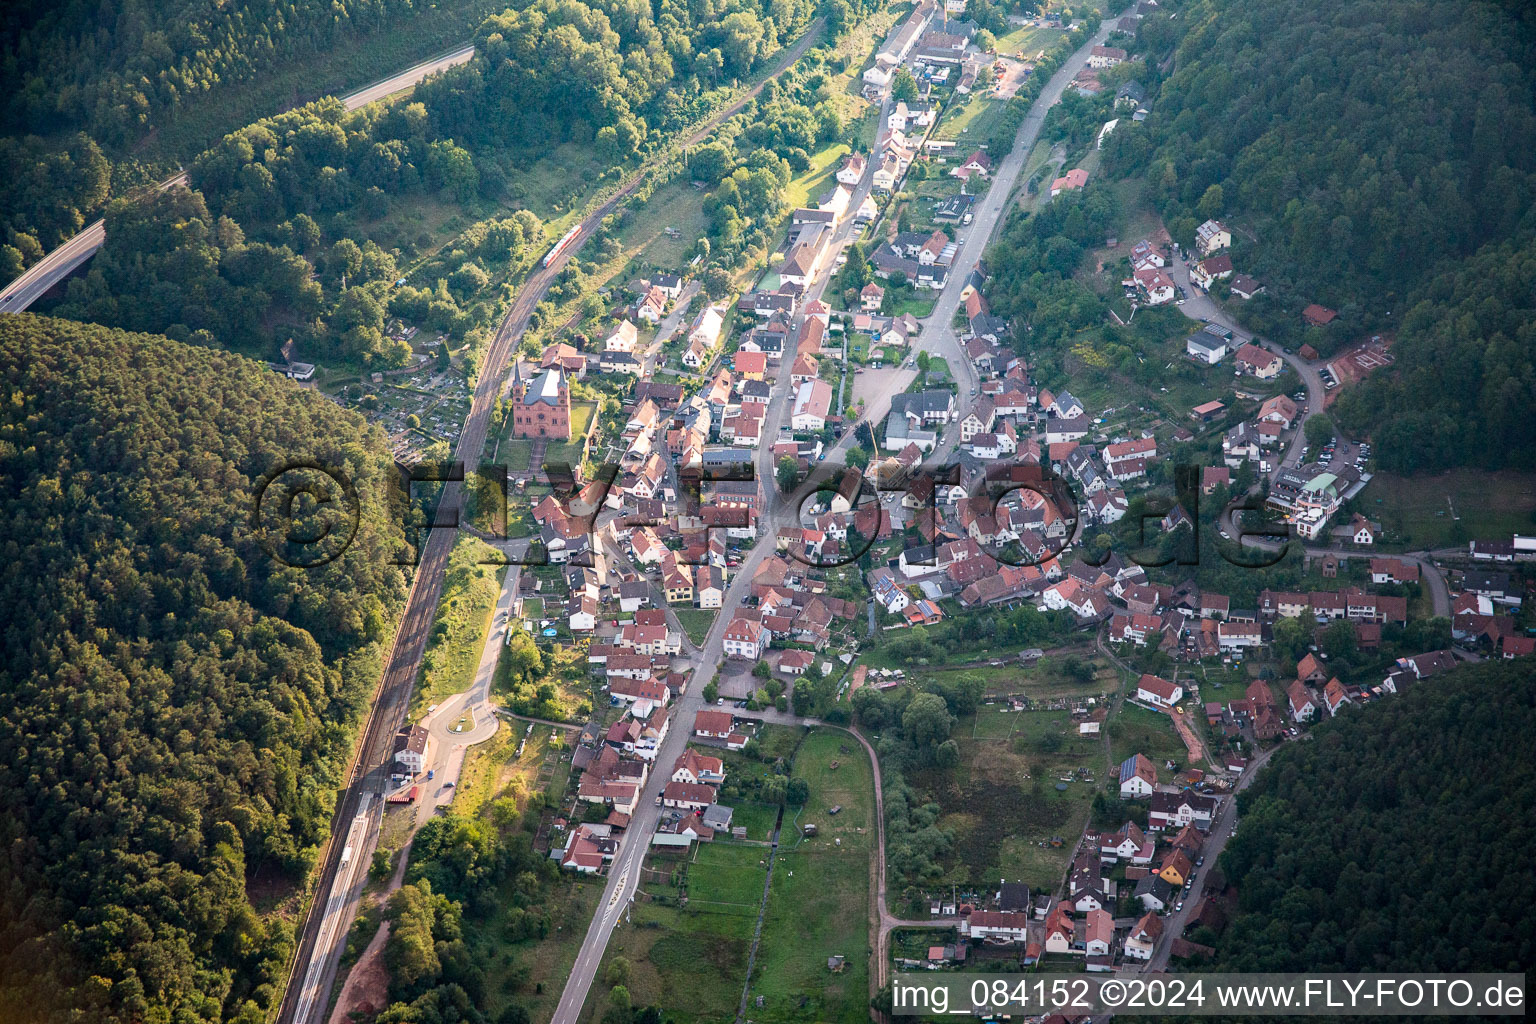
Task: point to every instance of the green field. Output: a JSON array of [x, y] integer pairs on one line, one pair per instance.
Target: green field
[[819, 905], [678, 206], [463, 617], [969, 121], [690, 960], [1429, 512], [1001, 803], [1029, 40], [1048, 678], [514, 453], [492, 769], [920, 303]]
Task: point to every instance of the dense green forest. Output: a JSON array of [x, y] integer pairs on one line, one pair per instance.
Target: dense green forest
[[274, 238], [1399, 838], [1377, 157], [50, 188], [176, 705], [115, 69], [150, 83]]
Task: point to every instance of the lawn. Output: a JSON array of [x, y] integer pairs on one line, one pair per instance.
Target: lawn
[[581, 417], [757, 818], [1060, 676], [727, 875], [1029, 40], [971, 120], [1135, 730], [678, 206], [1428, 512], [690, 957], [493, 769], [919, 303], [458, 632], [690, 960], [805, 188], [696, 623]]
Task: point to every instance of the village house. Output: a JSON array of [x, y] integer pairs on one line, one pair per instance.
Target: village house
[[687, 796], [1158, 691], [411, 749], [1076, 178], [1175, 810], [1303, 707], [1106, 56], [1142, 938], [1138, 777], [716, 725], [1245, 287], [1210, 270], [1156, 285], [995, 927], [745, 638], [1211, 237], [813, 401], [1258, 362], [977, 165]]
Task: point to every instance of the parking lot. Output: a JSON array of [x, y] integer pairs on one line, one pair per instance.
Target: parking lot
[[1338, 454]]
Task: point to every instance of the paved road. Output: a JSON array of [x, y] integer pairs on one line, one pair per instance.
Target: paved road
[[371, 771], [1221, 829], [446, 748], [1200, 306], [938, 335], [404, 80], [667, 328], [57, 265]]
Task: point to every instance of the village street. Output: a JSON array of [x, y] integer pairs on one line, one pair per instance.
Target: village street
[[624, 872]]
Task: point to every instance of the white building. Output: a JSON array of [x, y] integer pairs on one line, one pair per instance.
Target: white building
[[813, 400]]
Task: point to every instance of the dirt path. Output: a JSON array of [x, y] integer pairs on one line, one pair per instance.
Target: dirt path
[[366, 990]]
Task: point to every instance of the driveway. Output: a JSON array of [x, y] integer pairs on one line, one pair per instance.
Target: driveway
[[668, 327]]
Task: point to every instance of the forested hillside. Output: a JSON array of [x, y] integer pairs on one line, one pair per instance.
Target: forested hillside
[[1377, 157], [148, 84], [176, 706], [1398, 838], [113, 69], [272, 240]]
